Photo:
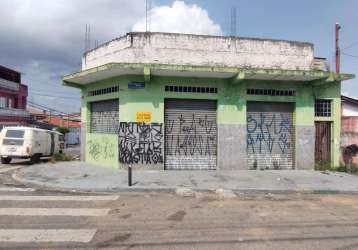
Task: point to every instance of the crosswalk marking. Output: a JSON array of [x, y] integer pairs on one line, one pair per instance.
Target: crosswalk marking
[[46, 235], [35, 209], [4, 170], [54, 211], [16, 189], [59, 198]]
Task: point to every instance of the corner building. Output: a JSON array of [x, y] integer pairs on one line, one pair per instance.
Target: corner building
[[179, 101]]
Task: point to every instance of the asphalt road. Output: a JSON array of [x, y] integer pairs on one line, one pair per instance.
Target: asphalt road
[[32, 219]]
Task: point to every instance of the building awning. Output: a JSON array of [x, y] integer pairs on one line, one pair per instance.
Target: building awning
[[237, 74]]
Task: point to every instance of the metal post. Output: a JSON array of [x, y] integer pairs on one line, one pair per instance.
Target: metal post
[[130, 175], [338, 52]]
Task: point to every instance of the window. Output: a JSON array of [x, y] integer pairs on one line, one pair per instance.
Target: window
[[103, 91], [3, 102], [15, 133], [323, 108], [191, 89], [10, 103], [105, 117], [14, 142], [271, 92]]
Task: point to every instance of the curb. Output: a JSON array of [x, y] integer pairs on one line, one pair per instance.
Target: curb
[[43, 187]]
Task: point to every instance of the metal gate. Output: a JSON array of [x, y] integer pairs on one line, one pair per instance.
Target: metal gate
[[190, 134], [270, 135], [105, 116], [323, 143]]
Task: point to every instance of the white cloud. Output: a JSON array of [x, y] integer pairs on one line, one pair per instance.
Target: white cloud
[[180, 18], [59, 25], [44, 39]]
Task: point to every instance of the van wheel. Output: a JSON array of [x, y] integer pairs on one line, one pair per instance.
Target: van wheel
[[5, 160], [35, 159]]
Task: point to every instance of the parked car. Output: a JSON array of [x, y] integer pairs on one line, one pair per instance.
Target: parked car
[[29, 143]]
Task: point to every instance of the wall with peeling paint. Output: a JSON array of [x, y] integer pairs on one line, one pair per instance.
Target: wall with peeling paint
[[231, 115], [200, 50]]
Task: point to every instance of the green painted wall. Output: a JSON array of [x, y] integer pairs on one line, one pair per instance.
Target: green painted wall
[[231, 98], [333, 92]]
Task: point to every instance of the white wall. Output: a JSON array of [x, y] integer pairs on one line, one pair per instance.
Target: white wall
[[349, 109], [183, 49]]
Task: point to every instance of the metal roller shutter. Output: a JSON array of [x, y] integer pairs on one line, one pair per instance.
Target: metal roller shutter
[[190, 134], [105, 116], [270, 135]]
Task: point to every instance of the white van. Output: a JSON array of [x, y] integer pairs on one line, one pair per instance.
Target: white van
[[31, 143]]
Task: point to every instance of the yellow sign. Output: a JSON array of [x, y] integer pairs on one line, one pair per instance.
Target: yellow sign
[[145, 117]]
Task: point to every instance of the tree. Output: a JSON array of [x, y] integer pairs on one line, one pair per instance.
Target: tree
[[63, 130]]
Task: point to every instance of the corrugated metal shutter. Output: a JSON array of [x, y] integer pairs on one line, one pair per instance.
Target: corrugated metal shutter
[[190, 134], [270, 135], [105, 117]]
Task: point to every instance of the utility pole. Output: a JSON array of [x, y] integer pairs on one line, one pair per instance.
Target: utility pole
[[233, 22], [148, 9], [338, 51]]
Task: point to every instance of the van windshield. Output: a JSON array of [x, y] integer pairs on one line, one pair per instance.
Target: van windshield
[[15, 133]]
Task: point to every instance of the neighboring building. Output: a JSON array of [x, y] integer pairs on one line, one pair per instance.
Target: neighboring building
[[349, 133], [179, 101], [43, 119], [13, 99], [72, 123]]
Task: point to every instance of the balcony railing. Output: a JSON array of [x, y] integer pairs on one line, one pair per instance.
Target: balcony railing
[[14, 86], [14, 112]]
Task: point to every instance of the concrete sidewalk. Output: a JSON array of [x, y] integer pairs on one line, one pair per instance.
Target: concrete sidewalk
[[85, 177]]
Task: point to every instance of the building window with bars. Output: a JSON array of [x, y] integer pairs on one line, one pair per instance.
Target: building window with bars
[[323, 108], [191, 89]]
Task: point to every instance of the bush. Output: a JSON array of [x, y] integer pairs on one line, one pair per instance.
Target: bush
[[61, 157], [323, 167], [353, 169]]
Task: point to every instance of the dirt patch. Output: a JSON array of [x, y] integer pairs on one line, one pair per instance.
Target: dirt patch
[[117, 238], [178, 216], [126, 216], [343, 200]]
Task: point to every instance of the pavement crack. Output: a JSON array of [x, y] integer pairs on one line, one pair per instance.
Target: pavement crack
[[178, 216]]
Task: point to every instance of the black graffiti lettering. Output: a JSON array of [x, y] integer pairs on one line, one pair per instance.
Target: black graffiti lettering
[[265, 133], [190, 134], [207, 124], [140, 143]]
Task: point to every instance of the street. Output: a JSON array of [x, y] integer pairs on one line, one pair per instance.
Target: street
[[31, 219]]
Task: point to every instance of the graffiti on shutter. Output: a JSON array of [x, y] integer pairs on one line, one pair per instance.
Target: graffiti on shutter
[[140, 143], [270, 135], [190, 134]]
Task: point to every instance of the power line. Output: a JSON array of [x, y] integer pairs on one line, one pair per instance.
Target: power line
[[350, 46], [55, 96], [58, 92], [36, 105], [349, 55]]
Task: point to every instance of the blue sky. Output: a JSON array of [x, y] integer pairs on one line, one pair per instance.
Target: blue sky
[[44, 39], [305, 20]]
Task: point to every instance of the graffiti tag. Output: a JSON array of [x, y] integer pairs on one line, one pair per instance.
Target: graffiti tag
[[140, 143]]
